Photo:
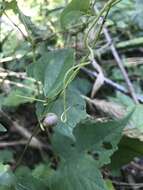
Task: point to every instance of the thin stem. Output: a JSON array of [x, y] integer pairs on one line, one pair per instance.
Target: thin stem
[[25, 37], [106, 6], [35, 132]]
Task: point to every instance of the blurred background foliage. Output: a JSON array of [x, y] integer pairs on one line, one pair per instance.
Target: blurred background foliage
[[33, 28]]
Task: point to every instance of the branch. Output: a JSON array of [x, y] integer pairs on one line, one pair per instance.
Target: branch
[[113, 84], [21, 130], [4, 144], [17, 84], [119, 61]]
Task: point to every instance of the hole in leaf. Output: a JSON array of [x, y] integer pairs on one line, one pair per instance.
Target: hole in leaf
[[73, 145], [89, 152], [96, 156], [107, 145]]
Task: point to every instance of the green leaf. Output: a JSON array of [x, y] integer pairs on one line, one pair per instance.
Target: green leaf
[[136, 119], [76, 110], [128, 149], [42, 172], [7, 5], [15, 97], [6, 177], [80, 158], [25, 180], [78, 174], [64, 146], [138, 14], [83, 85], [109, 185], [98, 139], [51, 68], [74, 10]]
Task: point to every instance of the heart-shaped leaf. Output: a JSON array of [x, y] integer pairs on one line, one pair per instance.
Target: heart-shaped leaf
[[51, 68], [74, 10], [78, 174]]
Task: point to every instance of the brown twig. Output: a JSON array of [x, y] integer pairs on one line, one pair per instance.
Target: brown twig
[[20, 129], [4, 144], [11, 58], [17, 84], [137, 185], [4, 72], [21, 75], [119, 62], [113, 84]]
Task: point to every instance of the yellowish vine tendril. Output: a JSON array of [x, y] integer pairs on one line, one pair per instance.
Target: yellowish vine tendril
[[106, 6], [41, 126], [31, 98], [100, 78], [69, 76], [64, 115]]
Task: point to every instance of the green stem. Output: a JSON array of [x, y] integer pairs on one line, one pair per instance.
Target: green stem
[[35, 132], [106, 7]]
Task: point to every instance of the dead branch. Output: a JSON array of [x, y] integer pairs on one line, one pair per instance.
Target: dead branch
[[113, 84], [21, 130], [119, 62]]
